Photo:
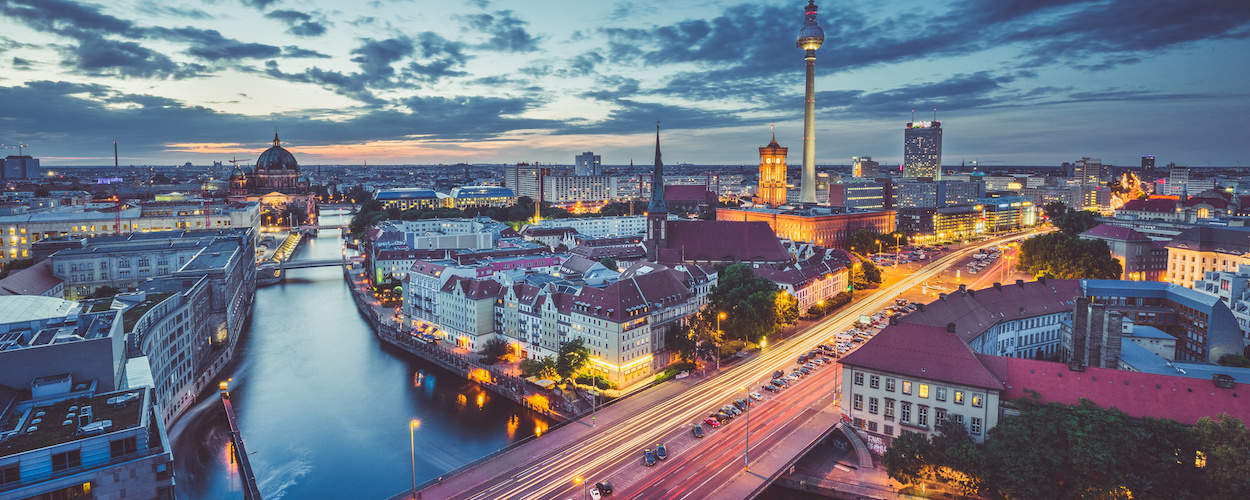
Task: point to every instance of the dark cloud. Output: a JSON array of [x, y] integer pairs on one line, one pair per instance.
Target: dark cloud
[[212, 46], [92, 113], [154, 8], [292, 51], [259, 4], [19, 63], [352, 85], [507, 32], [99, 56], [299, 23]]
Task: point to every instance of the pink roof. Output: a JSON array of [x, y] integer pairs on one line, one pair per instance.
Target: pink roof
[[688, 193], [723, 241], [1113, 232], [1156, 205], [923, 351], [974, 311], [34, 280], [473, 289], [1182, 399]]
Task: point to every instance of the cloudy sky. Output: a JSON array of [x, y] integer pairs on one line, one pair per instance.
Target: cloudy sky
[[1014, 81]]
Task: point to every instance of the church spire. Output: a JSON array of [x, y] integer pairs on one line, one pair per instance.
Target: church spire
[[276, 142], [657, 179]]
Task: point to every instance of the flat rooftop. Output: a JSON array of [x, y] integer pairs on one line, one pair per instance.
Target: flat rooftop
[[52, 428]]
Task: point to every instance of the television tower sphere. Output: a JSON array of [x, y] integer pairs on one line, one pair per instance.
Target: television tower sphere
[[810, 35]]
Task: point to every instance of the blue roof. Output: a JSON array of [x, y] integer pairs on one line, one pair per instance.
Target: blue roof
[[1142, 360], [1150, 289], [1150, 332], [404, 194], [481, 192]]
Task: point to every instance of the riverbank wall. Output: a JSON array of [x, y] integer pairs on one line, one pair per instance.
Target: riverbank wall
[[513, 388]]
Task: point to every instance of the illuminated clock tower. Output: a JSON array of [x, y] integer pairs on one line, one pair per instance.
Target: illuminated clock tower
[[772, 188]]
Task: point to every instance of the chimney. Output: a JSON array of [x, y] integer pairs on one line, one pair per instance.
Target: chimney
[[1223, 381], [950, 327], [1020, 282]]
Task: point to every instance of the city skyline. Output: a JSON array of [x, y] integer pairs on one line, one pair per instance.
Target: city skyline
[[499, 82]]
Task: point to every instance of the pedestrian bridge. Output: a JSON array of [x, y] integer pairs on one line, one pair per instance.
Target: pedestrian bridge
[[269, 272]]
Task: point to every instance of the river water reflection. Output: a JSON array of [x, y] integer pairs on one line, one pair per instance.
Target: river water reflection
[[324, 406]]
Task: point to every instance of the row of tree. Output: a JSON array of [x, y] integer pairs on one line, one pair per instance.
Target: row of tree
[[1071, 222], [571, 358], [1066, 256], [1059, 452], [742, 309]]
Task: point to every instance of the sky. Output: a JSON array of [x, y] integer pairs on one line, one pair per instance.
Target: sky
[[1033, 82]]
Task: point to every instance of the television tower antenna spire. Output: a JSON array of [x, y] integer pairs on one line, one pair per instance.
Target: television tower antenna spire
[[913, 114]]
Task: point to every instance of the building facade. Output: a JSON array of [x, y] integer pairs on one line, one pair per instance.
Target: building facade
[[823, 227], [1198, 250], [922, 150], [587, 163], [772, 176], [1141, 258]]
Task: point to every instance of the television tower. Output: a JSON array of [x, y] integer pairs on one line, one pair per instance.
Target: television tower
[[810, 38]]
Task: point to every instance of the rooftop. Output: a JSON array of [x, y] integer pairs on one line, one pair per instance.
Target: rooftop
[[975, 311], [52, 430], [720, 240], [1110, 232], [22, 308], [1230, 240], [923, 351], [34, 280]]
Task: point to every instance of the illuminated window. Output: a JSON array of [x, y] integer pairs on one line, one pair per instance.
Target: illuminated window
[[859, 401], [924, 391], [976, 400], [959, 397], [906, 387]]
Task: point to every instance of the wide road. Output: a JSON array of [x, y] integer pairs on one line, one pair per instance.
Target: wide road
[[548, 469]]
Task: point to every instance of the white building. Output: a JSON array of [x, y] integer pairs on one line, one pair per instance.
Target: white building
[[1233, 288], [601, 227]]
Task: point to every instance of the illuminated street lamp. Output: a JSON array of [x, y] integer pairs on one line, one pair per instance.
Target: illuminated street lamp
[[719, 316], [585, 489], [412, 448]]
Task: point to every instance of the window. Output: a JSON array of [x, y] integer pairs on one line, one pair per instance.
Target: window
[[959, 419], [872, 426], [976, 400], [939, 416], [874, 381], [10, 474], [922, 415], [859, 401], [906, 417], [67, 460], [959, 397], [889, 408], [941, 393], [889, 384], [872, 406], [122, 447], [976, 426], [859, 378], [906, 387], [923, 391], [889, 430]]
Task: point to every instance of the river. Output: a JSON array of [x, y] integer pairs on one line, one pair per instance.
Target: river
[[324, 406]]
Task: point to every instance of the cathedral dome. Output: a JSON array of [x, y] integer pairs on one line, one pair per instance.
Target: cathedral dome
[[276, 158]]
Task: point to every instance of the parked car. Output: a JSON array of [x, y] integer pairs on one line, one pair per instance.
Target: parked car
[[594, 493], [778, 374], [771, 388], [648, 458], [604, 487], [661, 452], [711, 422], [757, 396], [696, 430]]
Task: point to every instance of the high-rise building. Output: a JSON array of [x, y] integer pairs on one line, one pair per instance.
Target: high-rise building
[[810, 38], [1088, 171], [922, 150], [863, 166], [772, 183], [1178, 181], [1148, 164], [19, 167], [587, 164]]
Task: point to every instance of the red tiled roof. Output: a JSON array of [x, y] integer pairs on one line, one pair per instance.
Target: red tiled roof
[[34, 280], [688, 193], [1182, 399], [608, 242], [548, 231], [723, 241], [1156, 205], [975, 311], [923, 351], [799, 274], [473, 289], [598, 253], [1113, 232]]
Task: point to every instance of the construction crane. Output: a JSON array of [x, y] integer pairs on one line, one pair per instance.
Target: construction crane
[[117, 201]]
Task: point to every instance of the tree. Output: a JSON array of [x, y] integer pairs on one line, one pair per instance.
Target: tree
[[865, 274], [573, 356], [104, 292], [608, 262], [495, 350], [1064, 256], [542, 368], [1225, 455], [907, 460], [1075, 222], [1054, 209], [1237, 360], [748, 302], [865, 241], [787, 309]]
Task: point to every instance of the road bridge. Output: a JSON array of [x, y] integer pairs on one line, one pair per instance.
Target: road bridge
[[783, 427], [270, 271]]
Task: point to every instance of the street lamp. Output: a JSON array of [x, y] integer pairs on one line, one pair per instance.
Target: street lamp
[[412, 448], [746, 450], [585, 489], [719, 316]]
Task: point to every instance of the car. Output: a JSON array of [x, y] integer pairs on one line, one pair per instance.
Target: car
[[757, 396], [810, 365], [696, 430], [802, 359], [778, 374], [805, 370], [735, 411], [781, 382], [648, 458], [770, 388], [724, 416], [792, 378], [712, 422], [661, 452], [594, 493], [742, 404], [604, 487]]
